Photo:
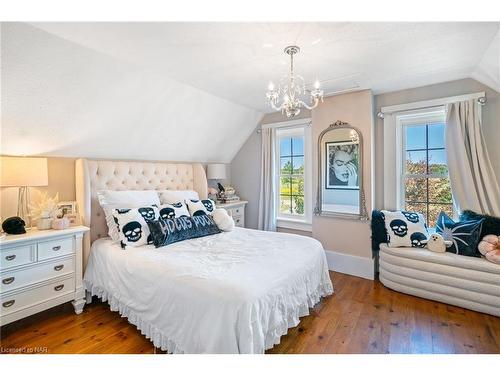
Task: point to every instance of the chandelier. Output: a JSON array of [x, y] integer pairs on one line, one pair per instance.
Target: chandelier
[[287, 98]]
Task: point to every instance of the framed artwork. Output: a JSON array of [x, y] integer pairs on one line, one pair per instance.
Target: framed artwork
[[71, 212], [342, 165]]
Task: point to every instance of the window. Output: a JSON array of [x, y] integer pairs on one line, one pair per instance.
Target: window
[[426, 186], [293, 182]]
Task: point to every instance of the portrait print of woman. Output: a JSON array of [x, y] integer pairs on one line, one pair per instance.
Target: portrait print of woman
[[342, 165]]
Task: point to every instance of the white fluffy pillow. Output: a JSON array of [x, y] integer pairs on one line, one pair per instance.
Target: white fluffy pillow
[[176, 196], [223, 220], [112, 199], [405, 229]]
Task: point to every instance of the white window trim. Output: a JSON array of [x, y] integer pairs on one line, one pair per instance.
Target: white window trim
[[291, 221], [409, 118]]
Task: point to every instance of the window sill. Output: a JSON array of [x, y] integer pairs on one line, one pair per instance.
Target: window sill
[[294, 224]]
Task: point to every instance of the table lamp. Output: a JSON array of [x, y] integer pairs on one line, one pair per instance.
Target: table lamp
[[23, 172]]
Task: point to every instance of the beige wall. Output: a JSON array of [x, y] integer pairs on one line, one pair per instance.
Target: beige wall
[[491, 120], [342, 235], [355, 108], [61, 173]]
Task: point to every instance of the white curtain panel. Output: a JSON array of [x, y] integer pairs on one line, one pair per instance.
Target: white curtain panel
[[267, 210], [473, 179]]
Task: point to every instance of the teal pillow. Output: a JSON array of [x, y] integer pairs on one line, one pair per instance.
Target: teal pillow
[[465, 235]]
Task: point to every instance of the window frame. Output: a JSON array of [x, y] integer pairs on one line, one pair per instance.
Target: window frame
[[425, 116], [285, 130]]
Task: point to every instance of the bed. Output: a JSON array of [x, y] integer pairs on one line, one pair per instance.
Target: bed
[[233, 292]]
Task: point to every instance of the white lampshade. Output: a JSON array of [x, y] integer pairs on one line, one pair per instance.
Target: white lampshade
[[23, 171], [216, 171]]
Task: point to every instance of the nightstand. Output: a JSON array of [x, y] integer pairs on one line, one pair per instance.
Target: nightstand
[[236, 210], [39, 270]]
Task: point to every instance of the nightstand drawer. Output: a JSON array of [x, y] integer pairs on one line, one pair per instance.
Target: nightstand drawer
[[13, 303], [40, 272], [16, 256], [239, 221], [56, 248]]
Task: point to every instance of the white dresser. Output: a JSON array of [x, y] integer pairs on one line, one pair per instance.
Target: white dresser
[[39, 270], [236, 210]]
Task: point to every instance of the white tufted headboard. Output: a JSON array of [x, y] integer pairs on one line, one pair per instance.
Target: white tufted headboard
[[94, 175]]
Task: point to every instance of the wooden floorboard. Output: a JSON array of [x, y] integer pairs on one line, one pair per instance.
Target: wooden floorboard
[[361, 317]]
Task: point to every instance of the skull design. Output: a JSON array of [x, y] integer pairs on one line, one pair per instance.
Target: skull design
[[199, 213], [208, 205], [399, 227], [167, 213], [122, 210], [411, 216], [177, 205], [132, 231], [147, 213], [417, 238]]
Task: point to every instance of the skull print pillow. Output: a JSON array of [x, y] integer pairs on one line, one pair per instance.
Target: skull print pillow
[[405, 229], [132, 225], [169, 211], [200, 207]]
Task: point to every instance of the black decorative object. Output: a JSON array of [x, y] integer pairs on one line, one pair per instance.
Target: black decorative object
[[491, 224], [14, 225], [167, 231], [379, 233]]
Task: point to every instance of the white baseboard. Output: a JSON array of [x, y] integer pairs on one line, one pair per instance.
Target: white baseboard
[[351, 264]]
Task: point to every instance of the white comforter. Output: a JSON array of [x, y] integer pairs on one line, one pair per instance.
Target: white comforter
[[234, 292]]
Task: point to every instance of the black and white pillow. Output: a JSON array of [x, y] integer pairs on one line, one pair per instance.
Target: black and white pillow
[[464, 235], [200, 207], [405, 229], [132, 225], [167, 231], [169, 211]]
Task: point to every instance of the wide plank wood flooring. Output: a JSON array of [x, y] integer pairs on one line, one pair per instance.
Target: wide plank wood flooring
[[361, 317]]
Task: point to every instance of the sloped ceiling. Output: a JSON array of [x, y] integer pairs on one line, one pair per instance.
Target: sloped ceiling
[[195, 91], [62, 99], [236, 61]]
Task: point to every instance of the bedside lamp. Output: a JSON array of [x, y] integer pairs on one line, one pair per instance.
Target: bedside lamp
[[23, 172], [216, 171]]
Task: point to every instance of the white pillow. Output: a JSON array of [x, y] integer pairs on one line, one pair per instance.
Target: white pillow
[[223, 220], [111, 199], [176, 196], [405, 229], [133, 229], [169, 211], [200, 207]]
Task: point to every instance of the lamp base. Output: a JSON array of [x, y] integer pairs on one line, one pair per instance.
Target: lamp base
[[23, 210]]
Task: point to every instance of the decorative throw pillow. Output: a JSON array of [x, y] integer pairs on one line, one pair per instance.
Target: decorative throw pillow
[[174, 196], [405, 229], [167, 231], [169, 211], [200, 207], [223, 220], [113, 199], [491, 224], [465, 235], [132, 225]]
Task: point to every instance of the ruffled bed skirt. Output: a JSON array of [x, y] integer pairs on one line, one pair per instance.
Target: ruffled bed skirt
[[290, 316]]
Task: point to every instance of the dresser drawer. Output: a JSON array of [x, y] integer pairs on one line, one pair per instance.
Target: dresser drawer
[[55, 248], [239, 221], [19, 301], [40, 272], [17, 256]]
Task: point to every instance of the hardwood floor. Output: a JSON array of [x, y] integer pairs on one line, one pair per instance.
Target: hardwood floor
[[361, 317]]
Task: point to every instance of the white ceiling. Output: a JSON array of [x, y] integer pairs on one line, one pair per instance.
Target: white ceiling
[[235, 61]]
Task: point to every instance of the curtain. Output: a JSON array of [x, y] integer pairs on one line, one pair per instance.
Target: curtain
[[267, 210], [473, 180]]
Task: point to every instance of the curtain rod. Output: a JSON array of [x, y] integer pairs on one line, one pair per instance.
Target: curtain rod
[[480, 96]]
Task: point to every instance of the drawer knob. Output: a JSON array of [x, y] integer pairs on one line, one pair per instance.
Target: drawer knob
[[8, 280], [8, 303], [10, 257], [57, 288], [59, 267], [56, 248]]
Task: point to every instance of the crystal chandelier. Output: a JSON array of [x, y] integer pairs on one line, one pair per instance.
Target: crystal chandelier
[[287, 98]]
